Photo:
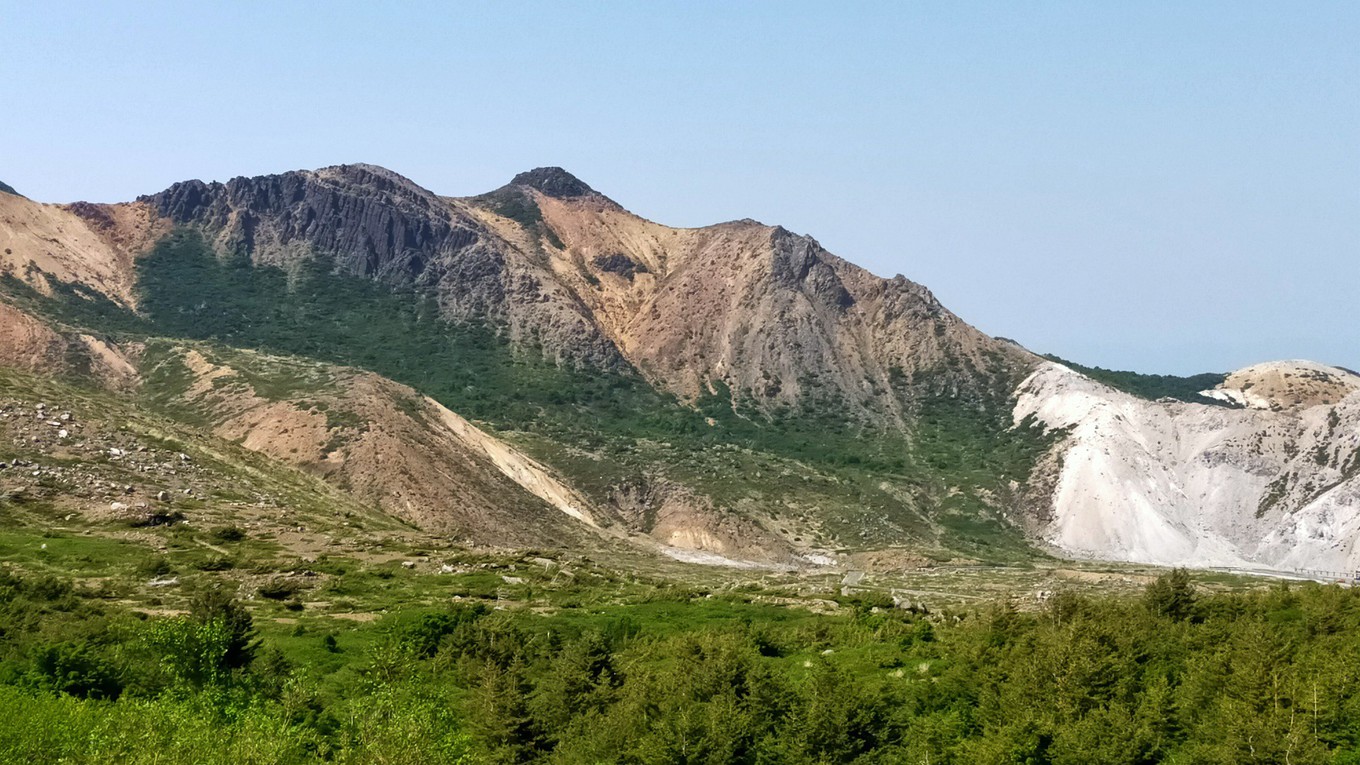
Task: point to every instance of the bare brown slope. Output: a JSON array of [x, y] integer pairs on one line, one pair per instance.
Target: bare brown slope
[[381, 442], [769, 314], [32, 345], [82, 243]]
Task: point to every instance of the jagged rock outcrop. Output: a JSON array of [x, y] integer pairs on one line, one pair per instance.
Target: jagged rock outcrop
[[373, 222], [376, 224]]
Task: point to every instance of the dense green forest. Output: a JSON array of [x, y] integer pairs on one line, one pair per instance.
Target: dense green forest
[[1174, 676]]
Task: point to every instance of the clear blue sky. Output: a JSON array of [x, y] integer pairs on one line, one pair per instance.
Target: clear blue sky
[[1164, 186]]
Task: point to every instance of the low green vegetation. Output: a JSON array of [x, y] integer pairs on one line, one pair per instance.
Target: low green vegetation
[[665, 673], [306, 631], [74, 305]]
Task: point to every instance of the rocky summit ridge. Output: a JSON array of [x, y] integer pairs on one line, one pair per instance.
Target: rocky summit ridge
[[553, 181]]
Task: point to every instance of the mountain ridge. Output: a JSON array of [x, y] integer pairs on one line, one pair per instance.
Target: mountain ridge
[[408, 237], [732, 389]]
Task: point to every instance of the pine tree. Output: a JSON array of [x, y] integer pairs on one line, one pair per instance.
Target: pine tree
[[1172, 595]]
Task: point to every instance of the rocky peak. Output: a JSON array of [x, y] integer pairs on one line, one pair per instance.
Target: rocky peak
[[373, 221], [554, 182], [799, 262], [5, 188], [376, 224], [373, 178], [185, 201]]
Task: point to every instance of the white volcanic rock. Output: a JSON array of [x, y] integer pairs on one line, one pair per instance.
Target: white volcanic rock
[[1274, 485]]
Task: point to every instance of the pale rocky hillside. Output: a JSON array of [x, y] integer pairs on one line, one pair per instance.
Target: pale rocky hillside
[[1275, 484]]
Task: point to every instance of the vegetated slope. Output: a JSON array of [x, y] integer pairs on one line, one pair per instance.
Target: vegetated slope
[[382, 443], [690, 476], [737, 334], [1276, 484], [64, 289]]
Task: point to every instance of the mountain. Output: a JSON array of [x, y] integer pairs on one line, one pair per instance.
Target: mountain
[[537, 365], [553, 264]]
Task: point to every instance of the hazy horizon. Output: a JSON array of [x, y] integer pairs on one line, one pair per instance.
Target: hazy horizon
[[1157, 188]]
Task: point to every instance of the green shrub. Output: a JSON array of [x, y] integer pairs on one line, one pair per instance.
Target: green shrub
[[75, 668], [154, 567], [278, 589], [228, 534]]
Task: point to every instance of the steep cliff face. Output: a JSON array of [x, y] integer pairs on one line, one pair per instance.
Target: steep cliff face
[[376, 224], [1273, 485]]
